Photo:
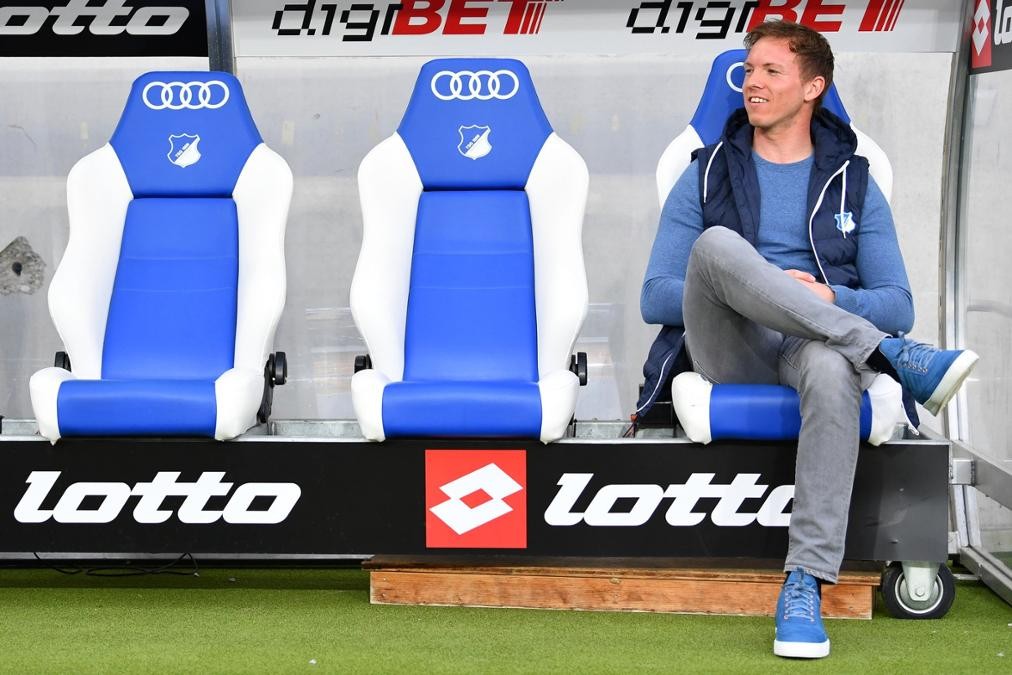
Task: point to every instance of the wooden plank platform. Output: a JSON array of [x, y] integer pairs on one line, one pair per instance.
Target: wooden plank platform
[[607, 586]]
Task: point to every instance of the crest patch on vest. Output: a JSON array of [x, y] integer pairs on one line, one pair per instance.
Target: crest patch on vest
[[845, 222]]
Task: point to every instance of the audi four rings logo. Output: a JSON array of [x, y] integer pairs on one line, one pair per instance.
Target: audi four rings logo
[[212, 95], [480, 85]]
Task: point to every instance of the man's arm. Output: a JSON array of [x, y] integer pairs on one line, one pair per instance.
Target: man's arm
[[681, 224], [884, 296]]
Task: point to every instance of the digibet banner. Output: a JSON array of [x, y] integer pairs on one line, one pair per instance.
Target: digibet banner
[[525, 27], [515, 498], [991, 36], [103, 28]]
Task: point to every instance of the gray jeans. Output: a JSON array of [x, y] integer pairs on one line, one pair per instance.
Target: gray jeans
[[747, 321]]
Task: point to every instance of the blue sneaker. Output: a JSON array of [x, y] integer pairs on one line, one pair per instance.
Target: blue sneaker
[[931, 375], [800, 634]]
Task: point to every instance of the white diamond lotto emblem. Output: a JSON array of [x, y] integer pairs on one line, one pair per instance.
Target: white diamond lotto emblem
[[475, 498], [491, 480]]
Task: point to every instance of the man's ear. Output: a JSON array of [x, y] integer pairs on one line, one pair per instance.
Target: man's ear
[[814, 88]]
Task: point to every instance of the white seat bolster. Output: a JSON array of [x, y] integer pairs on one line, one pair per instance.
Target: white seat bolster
[[389, 191], [262, 194], [237, 394], [690, 393], [44, 386], [878, 163], [98, 196], [367, 398], [557, 192], [887, 412], [673, 162], [558, 401]]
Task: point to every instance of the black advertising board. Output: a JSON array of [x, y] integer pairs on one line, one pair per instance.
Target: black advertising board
[[519, 498], [991, 36], [103, 28]]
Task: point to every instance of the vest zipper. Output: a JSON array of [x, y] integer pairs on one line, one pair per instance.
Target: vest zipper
[[811, 219], [706, 174]]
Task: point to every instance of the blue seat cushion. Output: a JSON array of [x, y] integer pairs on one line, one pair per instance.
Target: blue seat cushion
[[764, 412], [172, 313], [461, 409], [471, 313], [137, 407]]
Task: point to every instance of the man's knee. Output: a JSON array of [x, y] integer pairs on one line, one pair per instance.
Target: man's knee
[[716, 242], [824, 370]]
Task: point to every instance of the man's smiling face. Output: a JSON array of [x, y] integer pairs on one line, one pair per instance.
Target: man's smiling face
[[775, 89]]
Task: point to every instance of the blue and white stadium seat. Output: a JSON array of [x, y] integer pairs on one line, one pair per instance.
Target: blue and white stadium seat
[[709, 412], [470, 287], [173, 280]]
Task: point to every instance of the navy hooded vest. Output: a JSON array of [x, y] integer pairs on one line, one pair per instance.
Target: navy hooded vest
[[729, 191]]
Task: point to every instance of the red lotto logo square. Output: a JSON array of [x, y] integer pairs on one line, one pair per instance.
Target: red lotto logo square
[[476, 498], [980, 35]]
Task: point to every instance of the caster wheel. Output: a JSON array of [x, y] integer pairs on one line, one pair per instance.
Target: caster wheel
[[900, 603]]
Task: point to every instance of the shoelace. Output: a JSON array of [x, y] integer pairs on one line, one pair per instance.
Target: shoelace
[[914, 355], [799, 602]]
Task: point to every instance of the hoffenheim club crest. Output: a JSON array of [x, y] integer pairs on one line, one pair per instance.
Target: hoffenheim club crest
[[845, 222], [474, 141], [183, 149]]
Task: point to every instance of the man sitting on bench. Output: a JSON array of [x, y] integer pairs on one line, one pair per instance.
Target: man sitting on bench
[[777, 253]]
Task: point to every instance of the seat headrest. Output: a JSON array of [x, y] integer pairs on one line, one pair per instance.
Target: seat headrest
[[474, 124], [723, 95], [185, 134]]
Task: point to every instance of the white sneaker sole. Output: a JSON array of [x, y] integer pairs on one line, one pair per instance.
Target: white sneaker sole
[[951, 381], [801, 650]]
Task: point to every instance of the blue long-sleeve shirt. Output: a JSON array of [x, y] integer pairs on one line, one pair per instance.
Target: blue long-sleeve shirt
[[884, 297]]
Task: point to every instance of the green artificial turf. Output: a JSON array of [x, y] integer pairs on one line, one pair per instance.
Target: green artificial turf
[[321, 621]]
